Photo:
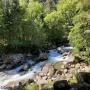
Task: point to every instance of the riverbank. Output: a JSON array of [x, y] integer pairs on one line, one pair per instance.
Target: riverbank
[[26, 68], [60, 65], [51, 73]]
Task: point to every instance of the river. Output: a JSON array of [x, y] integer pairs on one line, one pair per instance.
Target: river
[[14, 75]]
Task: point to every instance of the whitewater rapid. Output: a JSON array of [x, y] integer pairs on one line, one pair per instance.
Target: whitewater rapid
[[14, 76]]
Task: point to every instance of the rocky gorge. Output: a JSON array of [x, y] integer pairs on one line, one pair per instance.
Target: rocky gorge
[[55, 65]]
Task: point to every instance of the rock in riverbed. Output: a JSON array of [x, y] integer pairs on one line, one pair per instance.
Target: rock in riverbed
[[43, 56], [12, 60], [65, 72], [61, 85]]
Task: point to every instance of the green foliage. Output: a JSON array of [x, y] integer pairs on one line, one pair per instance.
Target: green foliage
[[22, 26], [49, 6], [34, 23], [32, 86], [55, 31], [31, 23], [3, 43], [75, 37], [79, 35], [68, 9], [34, 9], [73, 80]]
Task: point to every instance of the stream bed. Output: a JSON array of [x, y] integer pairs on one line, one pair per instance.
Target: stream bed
[[14, 75]]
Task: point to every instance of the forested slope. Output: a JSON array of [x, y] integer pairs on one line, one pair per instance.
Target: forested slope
[[36, 24]]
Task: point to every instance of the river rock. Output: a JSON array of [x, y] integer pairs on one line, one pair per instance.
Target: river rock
[[29, 55], [77, 66], [25, 67], [72, 66], [43, 56], [65, 71], [41, 74], [66, 54], [53, 79], [60, 50], [45, 78], [10, 66], [45, 69], [1, 62], [63, 66], [51, 72], [10, 58], [61, 85], [2, 67], [83, 77], [7, 59], [48, 69], [58, 72], [76, 60], [25, 82], [80, 86]]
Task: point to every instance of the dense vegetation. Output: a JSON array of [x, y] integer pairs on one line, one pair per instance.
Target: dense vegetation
[[31, 24]]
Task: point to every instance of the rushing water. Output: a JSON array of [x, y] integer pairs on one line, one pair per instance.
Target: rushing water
[[14, 75]]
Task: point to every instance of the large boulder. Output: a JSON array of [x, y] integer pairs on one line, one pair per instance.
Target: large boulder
[[49, 70], [61, 85], [46, 73], [80, 86], [25, 67], [83, 77]]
